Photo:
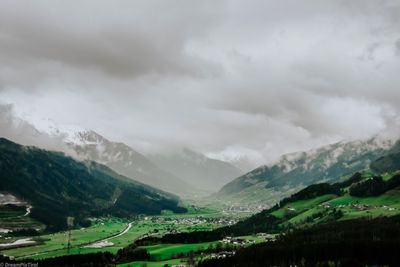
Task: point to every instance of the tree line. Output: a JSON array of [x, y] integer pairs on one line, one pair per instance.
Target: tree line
[[355, 243]]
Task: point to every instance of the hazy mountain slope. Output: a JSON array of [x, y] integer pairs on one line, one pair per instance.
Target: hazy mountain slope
[[390, 162], [90, 145], [58, 186], [297, 170], [197, 169]]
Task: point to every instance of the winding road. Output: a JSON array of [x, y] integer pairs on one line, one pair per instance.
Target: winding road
[[97, 244], [28, 210], [104, 242]]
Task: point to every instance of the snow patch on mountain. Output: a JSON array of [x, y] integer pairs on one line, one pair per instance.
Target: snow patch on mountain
[[71, 134], [329, 155]]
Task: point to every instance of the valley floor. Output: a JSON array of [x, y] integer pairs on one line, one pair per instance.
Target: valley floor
[[112, 234]]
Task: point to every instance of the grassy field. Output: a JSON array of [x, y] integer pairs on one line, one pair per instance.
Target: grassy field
[[300, 212], [387, 204], [153, 263], [301, 206], [56, 244], [168, 251]]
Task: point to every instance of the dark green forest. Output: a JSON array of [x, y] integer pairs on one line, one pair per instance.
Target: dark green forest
[[58, 186]]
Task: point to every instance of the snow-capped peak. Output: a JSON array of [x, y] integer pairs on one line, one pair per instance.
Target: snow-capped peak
[[69, 133]]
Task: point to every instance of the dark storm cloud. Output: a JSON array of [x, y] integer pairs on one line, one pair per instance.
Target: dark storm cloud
[[124, 40], [233, 79]]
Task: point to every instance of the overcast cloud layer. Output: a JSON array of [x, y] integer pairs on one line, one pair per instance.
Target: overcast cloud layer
[[232, 79]]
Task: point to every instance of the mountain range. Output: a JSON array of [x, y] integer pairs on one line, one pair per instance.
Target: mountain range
[[267, 184], [89, 145], [184, 173]]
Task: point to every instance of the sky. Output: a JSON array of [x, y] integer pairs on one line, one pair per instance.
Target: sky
[[246, 80]]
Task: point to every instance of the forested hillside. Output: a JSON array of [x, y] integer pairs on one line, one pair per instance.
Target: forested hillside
[[58, 186]]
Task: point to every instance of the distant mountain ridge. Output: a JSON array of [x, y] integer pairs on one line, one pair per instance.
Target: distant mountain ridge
[[58, 186], [89, 145], [197, 169], [183, 173], [297, 170]]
